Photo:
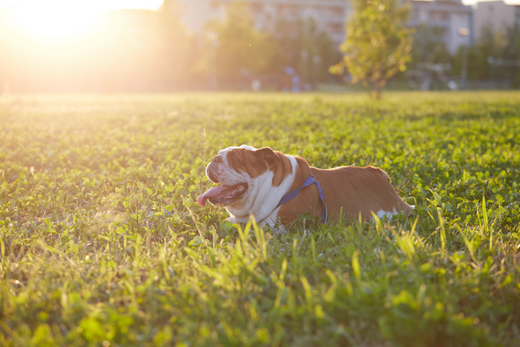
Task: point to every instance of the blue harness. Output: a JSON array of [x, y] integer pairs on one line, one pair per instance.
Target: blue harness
[[294, 193]]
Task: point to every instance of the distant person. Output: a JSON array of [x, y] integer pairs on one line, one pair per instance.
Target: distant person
[[256, 85], [285, 83], [296, 84]]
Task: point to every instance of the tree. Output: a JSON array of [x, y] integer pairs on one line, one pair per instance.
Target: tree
[[177, 48], [307, 48], [239, 48], [429, 47], [511, 53], [501, 46], [378, 43], [431, 61]]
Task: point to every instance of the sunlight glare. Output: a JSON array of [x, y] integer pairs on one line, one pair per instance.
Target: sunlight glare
[[57, 20]]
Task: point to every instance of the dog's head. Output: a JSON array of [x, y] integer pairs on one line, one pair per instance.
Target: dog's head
[[237, 169], [246, 176]]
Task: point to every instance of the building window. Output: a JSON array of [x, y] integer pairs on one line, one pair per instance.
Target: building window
[[415, 14], [334, 28], [256, 9], [439, 16], [335, 11], [289, 10], [215, 6]]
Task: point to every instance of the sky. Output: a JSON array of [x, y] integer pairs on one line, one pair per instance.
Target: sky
[[509, 2], [94, 4], [144, 4]]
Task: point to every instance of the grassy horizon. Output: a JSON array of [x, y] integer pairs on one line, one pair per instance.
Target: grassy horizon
[[102, 241]]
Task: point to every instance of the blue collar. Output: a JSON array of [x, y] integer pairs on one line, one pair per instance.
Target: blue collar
[[293, 194]]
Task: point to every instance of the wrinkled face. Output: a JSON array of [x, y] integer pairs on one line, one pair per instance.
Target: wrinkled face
[[237, 169]]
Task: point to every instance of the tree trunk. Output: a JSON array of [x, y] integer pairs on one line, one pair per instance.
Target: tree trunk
[[378, 90]]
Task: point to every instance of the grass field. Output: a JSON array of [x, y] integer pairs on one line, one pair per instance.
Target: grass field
[[103, 243]]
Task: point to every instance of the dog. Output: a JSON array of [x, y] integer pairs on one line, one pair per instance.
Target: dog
[[275, 188]]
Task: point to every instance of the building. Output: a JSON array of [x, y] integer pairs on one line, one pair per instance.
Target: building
[[451, 17], [447, 15], [329, 14], [497, 15]]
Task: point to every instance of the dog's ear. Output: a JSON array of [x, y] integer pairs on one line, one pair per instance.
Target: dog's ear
[[268, 155]]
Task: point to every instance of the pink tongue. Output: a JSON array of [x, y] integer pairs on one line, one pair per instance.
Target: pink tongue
[[210, 193]]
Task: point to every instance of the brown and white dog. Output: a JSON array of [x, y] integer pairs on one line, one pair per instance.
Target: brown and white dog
[[253, 181]]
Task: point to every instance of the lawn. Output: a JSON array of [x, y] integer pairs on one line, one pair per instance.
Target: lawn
[[104, 244]]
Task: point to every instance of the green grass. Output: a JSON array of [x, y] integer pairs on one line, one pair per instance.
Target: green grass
[[103, 243]]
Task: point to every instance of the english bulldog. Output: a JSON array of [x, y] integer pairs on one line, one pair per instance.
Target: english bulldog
[[276, 188]]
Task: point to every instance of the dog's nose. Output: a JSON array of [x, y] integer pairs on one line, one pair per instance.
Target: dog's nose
[[218, 159]]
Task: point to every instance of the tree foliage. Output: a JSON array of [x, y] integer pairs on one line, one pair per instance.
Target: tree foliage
[[311, 50], [378, 43], [429, 46], [177, 48], [239, 48], [500, 45]]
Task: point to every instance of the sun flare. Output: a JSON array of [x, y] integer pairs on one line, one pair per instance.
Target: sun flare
[[58, 20]]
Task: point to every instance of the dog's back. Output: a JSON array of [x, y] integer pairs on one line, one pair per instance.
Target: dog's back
[[359, 190]]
